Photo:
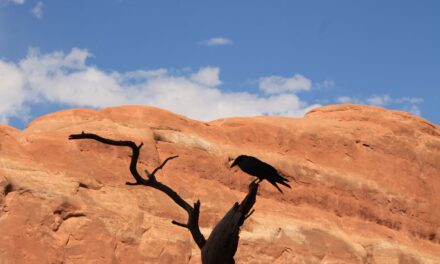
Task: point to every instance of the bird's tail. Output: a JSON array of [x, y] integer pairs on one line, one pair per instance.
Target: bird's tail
[[282, 175], [285, 184], [276, 186]]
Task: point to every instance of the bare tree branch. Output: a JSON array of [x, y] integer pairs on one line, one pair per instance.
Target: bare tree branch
[[193, 212], [162, 165], [222, 244], [174, 222]]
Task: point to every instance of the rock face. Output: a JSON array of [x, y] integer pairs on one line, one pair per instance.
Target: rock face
[[366, 187]]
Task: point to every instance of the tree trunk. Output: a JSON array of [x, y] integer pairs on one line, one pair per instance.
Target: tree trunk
[[222, 244]]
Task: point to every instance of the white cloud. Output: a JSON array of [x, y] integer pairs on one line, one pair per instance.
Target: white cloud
[[68, 79], [217, 41], [409, 104], [278, 84], [207, 76], [12, 92], [37, 10]]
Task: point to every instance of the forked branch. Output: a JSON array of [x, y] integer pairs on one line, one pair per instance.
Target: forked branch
[[193, 211]]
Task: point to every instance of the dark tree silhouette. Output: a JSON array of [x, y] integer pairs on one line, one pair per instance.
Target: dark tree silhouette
[[222, 244]]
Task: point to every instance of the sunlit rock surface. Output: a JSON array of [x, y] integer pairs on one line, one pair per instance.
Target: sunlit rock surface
[[366, 187]]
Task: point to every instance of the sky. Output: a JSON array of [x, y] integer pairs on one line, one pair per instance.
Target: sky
[[216, 59]]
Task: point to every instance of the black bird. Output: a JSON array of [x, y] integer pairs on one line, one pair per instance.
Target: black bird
[[261, 170]]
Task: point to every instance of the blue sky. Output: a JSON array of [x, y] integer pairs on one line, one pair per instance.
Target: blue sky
[[213, 59]]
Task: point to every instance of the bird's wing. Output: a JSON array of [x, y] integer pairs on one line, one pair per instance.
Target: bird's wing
[[254, 170], [275, 176], [251, 166]]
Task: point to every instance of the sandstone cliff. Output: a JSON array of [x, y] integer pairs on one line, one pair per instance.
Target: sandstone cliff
[[366, 187]]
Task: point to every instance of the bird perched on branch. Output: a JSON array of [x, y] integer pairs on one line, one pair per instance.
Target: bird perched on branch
[[261, 170]]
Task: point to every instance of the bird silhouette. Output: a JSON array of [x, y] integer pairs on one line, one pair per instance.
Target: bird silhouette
[[261, 170]]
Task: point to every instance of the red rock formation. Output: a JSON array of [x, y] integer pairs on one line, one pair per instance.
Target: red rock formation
[[366, 187]]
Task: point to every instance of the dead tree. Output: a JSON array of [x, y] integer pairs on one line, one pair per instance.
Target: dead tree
[[222, 244]]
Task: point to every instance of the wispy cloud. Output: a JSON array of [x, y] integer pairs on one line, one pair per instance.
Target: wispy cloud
[[37, 10], [324, 84], [379, 100], [217, 41], [348, 100], [69, 80], [278, 84], [409, 104], [16, 2]]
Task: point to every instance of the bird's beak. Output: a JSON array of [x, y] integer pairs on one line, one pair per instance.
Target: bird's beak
[[234, 163]]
